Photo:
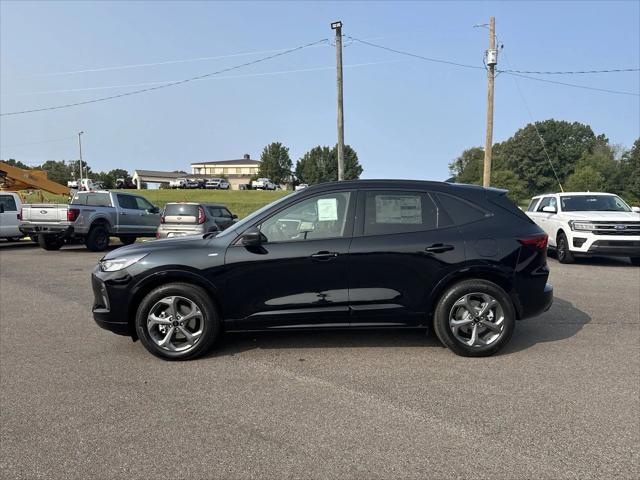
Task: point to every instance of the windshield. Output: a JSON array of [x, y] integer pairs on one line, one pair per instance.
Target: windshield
[[238, 226], [593, 203]]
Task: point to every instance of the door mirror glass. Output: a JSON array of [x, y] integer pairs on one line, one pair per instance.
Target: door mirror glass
[[251, 238], [549, 209]]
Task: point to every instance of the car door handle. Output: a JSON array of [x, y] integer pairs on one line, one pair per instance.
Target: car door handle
[[439, 248], [324, 255], [123, 213]]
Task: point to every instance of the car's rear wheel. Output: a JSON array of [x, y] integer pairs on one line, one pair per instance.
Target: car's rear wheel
[[50, 242], [98, 239], [177, 321], [562, 249], [127, 240], [474, 318]]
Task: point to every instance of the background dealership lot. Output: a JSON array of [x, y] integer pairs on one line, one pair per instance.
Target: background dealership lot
[[560, 402]]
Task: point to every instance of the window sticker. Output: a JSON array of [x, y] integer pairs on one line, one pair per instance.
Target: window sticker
[[327, 209], [398, 209]]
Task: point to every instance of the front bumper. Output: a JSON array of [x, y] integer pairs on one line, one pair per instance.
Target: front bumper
[[589, 243], [111, 300]]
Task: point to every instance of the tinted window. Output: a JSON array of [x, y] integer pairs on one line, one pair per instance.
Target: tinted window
[[322, 216], [127, 201], [92, 199], [460, 211], [9, 203], [401, 212], [505, 203], [214, 211]]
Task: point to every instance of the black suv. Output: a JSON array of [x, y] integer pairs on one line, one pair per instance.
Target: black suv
[[461, 259]]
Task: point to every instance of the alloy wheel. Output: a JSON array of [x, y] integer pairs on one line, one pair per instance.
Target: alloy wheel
[[477, 319], [175, 324]]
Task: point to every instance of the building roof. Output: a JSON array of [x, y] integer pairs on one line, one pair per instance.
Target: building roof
[[241, 161]]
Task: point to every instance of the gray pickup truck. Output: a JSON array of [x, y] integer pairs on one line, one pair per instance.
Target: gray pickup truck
[[92, 217]]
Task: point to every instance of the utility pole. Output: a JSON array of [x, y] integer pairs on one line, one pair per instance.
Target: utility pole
[[80, 147], [491, 61], [337, 26]]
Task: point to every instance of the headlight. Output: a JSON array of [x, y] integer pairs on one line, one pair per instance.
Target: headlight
[[115, 264], [582, 226]]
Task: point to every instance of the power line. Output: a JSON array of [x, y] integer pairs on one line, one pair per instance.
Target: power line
[[585, 87], [544, 148], [166, 85], [409, 54], [37, 143], [575, 72]]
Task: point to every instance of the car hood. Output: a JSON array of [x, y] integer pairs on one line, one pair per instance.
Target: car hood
[[156, 245], [604, 216]]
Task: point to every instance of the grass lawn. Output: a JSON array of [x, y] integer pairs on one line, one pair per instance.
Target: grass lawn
[[240, 202]]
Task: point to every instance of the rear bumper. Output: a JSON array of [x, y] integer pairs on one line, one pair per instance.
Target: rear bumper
[[44, 228], [536, 304]]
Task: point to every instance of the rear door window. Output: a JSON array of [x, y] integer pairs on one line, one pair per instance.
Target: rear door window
[[127, 201], [9, 203], [388, 212]]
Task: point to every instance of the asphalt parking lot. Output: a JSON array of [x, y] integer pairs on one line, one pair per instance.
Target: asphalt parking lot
[[561, 401]]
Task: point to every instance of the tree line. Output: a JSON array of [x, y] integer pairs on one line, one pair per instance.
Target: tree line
[[318, 165], [541, 155]]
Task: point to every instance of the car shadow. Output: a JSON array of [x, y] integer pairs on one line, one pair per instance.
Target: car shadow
[[598, 261], [5, 246], [562, 321]]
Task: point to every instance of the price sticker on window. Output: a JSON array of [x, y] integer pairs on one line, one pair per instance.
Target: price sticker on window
[[327, 209]]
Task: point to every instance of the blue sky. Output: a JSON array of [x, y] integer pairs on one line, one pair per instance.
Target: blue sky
[[406, 118]]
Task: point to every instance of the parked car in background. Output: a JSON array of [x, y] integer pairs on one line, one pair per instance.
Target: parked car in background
[[187, 218], [588, 223], [355, 254], [217, 184], [192, 183], [302, 186], [10, 216], [92, 217], [178, 183], [263, 184], [124, 183]]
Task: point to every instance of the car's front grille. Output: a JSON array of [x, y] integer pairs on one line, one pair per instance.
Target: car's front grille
[[616, 228]]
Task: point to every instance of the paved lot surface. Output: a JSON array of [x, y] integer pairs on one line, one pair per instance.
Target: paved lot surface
[[78, 402]]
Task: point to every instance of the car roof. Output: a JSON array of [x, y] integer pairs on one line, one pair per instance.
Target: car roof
[[573, 194], [398, 183], [197, 203]]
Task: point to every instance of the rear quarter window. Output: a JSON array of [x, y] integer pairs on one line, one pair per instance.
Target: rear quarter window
[[505, 203], [9, 203], [461, 211]]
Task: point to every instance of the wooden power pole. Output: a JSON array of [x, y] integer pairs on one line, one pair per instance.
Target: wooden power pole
[[337, 26], [492, 60]]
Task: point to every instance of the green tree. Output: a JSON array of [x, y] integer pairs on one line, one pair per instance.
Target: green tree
[[16, 163], [60, 171], [596, 171], [275, 163], [524, 154], [509, 181], [630, 174], [320, 164], [467, 168]]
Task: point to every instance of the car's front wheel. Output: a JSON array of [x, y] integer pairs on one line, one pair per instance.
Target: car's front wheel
[[562, 249], [474, 318], [177, 321]]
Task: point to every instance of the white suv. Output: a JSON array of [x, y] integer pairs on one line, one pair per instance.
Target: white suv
[[588, 223]]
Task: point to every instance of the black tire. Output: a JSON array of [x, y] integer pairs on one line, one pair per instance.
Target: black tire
[[445, 308], [50, 242], [211, 324], [34, 238], [98, 239], [563, 253], [635, 261], [127, 240]]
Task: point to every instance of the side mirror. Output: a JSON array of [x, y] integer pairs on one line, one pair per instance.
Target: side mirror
[[154, 210], [251, 238], [549, 209], [635, 209], [234, 216]]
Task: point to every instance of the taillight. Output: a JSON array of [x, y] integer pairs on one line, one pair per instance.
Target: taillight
[[158, 234], [537, 241], [201, 215], [72, 214]]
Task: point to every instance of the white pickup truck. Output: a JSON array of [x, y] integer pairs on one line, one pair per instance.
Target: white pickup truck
[[588, 223], [92, 217]]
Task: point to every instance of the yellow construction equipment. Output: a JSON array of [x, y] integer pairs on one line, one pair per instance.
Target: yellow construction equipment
[[14, 178]]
